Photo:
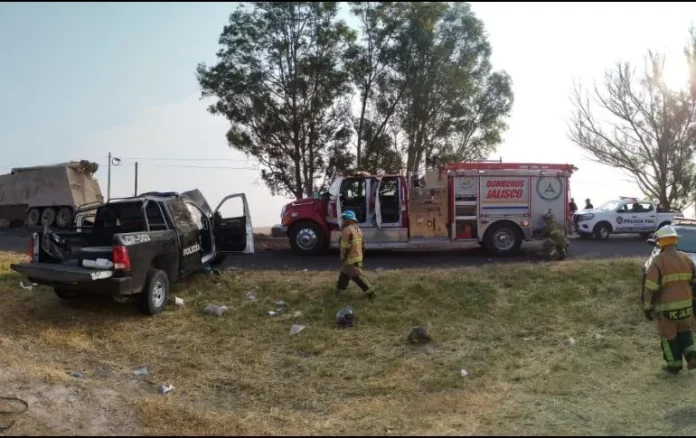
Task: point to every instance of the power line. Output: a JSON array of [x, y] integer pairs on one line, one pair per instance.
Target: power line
[[180, 159]]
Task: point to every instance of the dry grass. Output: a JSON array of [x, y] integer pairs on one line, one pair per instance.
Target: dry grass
[[243, 374]]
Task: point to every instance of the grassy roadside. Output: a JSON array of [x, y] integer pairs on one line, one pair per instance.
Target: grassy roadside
[[508, 326]]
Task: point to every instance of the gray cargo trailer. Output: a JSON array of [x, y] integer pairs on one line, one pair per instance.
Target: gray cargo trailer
[[47, 195]]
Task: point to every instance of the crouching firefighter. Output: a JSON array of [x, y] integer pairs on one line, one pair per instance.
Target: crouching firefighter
[[352, 249], [668, 298], [556, 244]]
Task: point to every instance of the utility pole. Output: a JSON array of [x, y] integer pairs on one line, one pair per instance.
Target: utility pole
[[108, 180], [136, 179], [115, 162]]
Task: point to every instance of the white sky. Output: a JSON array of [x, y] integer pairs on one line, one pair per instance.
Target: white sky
[[542, 46]]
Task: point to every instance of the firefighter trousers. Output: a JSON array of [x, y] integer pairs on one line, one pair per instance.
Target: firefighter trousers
[[353, 272], [681, 346]]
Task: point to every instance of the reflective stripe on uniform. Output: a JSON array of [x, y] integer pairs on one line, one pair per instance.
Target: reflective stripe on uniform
[[676, 305], [651, 285], [353, 260], [345, 245], [676, 277]]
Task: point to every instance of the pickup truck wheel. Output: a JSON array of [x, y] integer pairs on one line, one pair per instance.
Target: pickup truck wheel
[[66, 294], [153, 299], [307, 238], [48, 217], [503, 238], [218, 259], [602, 231]]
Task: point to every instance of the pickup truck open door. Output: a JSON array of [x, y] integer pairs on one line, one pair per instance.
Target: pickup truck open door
[[233, 234]]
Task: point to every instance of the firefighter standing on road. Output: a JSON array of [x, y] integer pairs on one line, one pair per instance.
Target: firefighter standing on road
[[352, 249], [668, 299]]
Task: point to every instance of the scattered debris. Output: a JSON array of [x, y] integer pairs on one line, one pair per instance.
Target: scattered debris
[[531, 338], [463, 372], [295, 329], [281, 304], [163, 389], [305, 270], [380, 269], [598, 336], [419, 335], [232, 268], [251, 296], [213, 310], [271, 313], [571, 341], [76, 374], [140, 371], [297, 314], [345, 317], [120, 299], [29, 287], [178, 301]]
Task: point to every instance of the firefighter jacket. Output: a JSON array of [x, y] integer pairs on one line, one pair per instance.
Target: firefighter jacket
[[668, 291], [352, 245]]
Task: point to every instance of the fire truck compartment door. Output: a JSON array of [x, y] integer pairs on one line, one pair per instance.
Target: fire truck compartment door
[[548, 193]]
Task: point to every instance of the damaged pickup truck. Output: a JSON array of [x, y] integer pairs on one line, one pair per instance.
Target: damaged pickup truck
[[136, 247]]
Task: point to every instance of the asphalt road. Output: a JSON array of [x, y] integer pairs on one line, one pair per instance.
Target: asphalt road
[[282, 259]]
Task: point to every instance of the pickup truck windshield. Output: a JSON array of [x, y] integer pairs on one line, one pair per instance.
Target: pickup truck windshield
[[609, 206], [687, 240], [126, 217]]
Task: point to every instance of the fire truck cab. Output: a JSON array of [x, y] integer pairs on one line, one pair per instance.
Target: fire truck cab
[[498, 205]]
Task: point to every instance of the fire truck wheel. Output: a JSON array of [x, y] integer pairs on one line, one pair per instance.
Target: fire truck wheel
[[503, 238], [48, 217], [602, 231], [63, 218], [306, 238], [33, 217]]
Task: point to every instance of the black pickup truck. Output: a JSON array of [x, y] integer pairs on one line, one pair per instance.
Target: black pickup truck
[[136, 247]]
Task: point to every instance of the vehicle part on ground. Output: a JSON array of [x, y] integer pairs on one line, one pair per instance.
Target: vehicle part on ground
[[345, 317], [12, 412], [153, 299]]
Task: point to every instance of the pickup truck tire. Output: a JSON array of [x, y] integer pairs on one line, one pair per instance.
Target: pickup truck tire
[[307, 238], [218, 259], [66, 294], [153, 299], [602, 231], [503, 238]]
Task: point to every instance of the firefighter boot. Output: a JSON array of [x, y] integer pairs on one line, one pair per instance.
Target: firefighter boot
[[366, 286], [691, 360], [341, 284]]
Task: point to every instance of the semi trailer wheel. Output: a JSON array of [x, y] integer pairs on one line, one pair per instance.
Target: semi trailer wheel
[[63, 219], [33, 217], [48, 217]]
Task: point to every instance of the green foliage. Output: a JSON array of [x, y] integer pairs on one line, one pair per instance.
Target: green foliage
[[286, 74], [279, 83], [652, 134]]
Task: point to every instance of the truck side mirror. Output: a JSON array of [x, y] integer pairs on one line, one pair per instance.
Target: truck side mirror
[[651, 242]]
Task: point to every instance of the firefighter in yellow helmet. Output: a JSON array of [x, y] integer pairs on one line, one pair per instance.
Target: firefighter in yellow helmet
[[352, 249], [668, 299]]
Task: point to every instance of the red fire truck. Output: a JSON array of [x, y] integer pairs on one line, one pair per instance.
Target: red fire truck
[[498, 205]]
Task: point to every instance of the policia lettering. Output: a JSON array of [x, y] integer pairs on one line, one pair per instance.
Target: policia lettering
[[668, 298], [352, 248]]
